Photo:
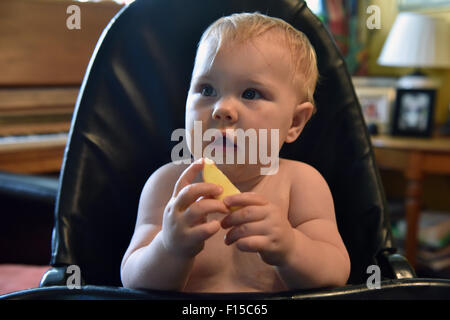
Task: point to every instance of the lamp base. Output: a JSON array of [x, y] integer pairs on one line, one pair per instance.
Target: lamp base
[[417, 73], [418, 80]]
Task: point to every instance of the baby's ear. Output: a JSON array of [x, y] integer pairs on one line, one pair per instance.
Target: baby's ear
[[302, 114]]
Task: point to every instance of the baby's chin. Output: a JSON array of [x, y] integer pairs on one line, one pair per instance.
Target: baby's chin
[[240, 172]]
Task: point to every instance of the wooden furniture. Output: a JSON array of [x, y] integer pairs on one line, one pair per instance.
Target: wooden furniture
[[32, 154], [42, 64], [416, 158], [37, 47], [29, 111]]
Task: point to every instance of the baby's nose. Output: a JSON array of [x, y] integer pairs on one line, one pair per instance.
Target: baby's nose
[[222, 116], [224, 112]]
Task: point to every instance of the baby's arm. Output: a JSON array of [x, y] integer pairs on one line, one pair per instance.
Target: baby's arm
[[170, 229], [320, 251], [307, 250]]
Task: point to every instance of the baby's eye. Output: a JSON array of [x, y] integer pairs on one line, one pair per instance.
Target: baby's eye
[[251, 94], [207, 91]]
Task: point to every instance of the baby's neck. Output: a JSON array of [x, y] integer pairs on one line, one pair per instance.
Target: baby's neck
[[248, 183], [245, 177]]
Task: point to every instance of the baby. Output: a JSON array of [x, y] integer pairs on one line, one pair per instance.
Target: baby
[[251, 72]]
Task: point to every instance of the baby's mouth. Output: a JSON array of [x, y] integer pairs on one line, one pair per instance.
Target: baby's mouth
[[225, 142]]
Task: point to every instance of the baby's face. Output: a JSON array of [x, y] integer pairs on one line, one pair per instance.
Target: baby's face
[[247, 86]]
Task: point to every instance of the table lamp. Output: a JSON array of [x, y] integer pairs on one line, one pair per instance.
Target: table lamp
[[417, 41]]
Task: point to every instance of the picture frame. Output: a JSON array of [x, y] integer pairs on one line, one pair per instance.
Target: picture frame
[[413, 112], [376, 97]]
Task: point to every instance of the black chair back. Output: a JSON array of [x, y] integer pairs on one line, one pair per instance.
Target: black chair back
[[133, 97]]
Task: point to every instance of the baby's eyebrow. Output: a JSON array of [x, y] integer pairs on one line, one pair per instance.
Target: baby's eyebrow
[[202, 77], [257, 83], [260, 84], [198, 80]]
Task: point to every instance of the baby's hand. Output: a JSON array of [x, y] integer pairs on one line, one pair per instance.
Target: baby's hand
[[185, 227], [259, 226]]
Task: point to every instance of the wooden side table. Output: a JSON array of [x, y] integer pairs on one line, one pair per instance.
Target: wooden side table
[[415, 158], [32, 154]]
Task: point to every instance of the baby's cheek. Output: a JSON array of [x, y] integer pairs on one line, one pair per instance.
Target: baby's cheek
[[271, 140]]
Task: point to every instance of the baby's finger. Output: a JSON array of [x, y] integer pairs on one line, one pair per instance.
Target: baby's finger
[[205, 230], [252, 244], [245, 230], [244, 215], [245, 199], [199, 210], [188, 176], [190, 193]]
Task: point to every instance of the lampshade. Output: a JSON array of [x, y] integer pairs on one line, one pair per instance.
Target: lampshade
[[417, 40]]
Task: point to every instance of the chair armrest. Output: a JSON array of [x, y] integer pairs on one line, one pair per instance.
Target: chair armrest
[[401, 267], [57, 276], [30, 187], [30, 199], [396, 265]]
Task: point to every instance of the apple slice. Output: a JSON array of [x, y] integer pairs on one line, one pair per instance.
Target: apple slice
[[212, 174]]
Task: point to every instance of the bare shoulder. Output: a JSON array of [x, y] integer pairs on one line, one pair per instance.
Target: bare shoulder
[[157, 192], [154, 197], [310, 196], [304, 175]]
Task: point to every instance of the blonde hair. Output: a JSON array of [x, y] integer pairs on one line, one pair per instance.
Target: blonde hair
[[245, 26]]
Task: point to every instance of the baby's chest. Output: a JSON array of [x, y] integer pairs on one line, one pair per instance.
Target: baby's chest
[[227, 263], [223, 264], [277, 191]]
